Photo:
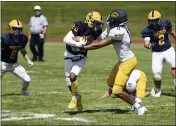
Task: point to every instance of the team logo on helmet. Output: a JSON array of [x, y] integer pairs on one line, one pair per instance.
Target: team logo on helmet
[[115, 14]]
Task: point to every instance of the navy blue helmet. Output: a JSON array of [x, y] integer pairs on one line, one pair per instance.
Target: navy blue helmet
[[117, 17]]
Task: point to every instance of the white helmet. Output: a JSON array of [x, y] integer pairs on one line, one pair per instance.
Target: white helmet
[[131, 86]]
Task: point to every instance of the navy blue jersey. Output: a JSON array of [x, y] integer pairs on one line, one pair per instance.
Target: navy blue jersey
[[159, 37], [10, 49], [81, 29]]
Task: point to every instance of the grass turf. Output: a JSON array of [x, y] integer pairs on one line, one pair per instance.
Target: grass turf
[[48, 77]]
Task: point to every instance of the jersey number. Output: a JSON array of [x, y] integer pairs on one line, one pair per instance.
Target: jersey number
[[13, 54], [75, 28], [161, 39]]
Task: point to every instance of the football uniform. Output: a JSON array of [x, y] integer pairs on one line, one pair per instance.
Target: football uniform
[[9, 56], [137, 83], [74, 57], [161, 49], [127, 60]]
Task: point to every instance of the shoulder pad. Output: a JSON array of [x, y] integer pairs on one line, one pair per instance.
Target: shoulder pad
[[77, 28], [167, 24], [5, 38], [146, 32]]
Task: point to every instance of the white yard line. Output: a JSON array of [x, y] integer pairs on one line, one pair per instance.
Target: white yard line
[[31, 116], [75, 119]]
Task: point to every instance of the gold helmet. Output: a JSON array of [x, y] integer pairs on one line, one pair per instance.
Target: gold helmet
[[15, 27], [154, 18], [94, 20]]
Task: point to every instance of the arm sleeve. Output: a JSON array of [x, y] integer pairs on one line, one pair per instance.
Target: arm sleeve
[[25, 40], [68, 40], [45, 22], [2, 42]]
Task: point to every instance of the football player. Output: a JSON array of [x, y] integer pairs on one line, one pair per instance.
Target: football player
[[75, 59], [11, 44], [118, 34], [156, 38], [135, 86]]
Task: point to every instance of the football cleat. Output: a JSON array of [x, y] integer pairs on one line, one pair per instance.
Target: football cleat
[[79, 104], [72, 104], [142, 110], [76, 102], [154, 94], [138, 100], [25, 93]]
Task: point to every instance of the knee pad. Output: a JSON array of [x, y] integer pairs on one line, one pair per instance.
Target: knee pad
[[27, 78], [131, 86], [67, 79], [157, 77]]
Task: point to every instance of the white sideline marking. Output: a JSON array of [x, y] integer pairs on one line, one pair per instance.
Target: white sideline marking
[[75, 119], [5, 111], [54, 92], [34, 116]]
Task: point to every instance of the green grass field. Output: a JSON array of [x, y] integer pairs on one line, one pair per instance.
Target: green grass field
[[61, 15], [51, 96]]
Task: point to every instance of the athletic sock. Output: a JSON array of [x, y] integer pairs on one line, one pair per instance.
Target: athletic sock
[[25, 86], [137, 105], [157, 90], [175, 83], [74, 87]]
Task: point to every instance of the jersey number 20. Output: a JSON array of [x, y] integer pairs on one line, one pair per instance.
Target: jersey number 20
[[13, 54], [161, 39]]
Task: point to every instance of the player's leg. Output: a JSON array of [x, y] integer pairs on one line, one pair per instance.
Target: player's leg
[[20, 72], [141, 86], [32, 47], [68, 67], [125, 69], [76, 97], [170, 58], [40, 46], [110, 80], [157, 65]]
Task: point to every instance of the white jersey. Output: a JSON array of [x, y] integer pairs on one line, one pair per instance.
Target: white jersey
[[121, 41]]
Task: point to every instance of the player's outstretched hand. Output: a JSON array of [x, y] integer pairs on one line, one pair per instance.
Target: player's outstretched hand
[[107, 94], [30, 63]]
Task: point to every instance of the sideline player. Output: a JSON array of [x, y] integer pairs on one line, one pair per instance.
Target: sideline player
[[135, 86], [11, 43], [75, 59], [118, 34], [156, 37]]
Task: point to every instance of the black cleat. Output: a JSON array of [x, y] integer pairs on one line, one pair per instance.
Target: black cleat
[[41, 60], [34, 59]]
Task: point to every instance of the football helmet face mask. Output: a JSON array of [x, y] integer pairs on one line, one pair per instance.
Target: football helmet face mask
[[94, 20], [15, 27], [154, 19], [116, 18]]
